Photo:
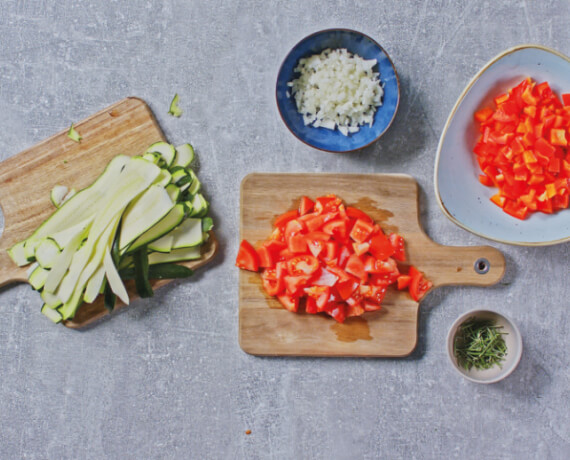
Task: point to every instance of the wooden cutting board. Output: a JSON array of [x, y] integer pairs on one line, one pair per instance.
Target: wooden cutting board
[[26, 179], [392, 201]]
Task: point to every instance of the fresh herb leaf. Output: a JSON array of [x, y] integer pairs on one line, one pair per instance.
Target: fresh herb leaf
[[479, 343]]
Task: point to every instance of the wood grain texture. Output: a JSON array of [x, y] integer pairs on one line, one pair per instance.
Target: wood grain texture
[[391, 200], [26, 179]]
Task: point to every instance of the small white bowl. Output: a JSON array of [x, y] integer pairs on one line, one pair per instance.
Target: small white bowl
[[513, 341]]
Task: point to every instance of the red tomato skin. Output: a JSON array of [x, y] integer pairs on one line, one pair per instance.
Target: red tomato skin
[[356, 213], [380, 247], [266, 258], [289, 302], [355, 266], [247, 257], [306, 205], [281, 220], [398, 244]]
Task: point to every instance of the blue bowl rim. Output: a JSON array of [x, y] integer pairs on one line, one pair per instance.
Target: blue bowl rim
[[379, 47], [458, 102]]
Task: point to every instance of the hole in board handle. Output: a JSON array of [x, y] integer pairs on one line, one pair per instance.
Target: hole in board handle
[[482, 266]]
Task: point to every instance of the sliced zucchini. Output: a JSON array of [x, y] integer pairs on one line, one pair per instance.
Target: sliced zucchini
[[165, 225], [38, 277], [184, 155], [47, 252], [207, 224], [73, 134], [187, 234], [163, 244], [52, 314], [195, 185], [174, 109], [143, 213], [173, 191], [18, 254], [160, 272], [176, 255], [144, 289], [57, 195], [94, 285], [163, 178], [166, 151]]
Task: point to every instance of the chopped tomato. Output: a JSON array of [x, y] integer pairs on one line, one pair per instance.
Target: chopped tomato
[[337, 261], [523, 145], [361, 230], [289, 302], [265, 257], [247, 257], [418, 284], [306, 206], [380, 246], [302, 265], [286, 217], [355, 266], [398, 244]]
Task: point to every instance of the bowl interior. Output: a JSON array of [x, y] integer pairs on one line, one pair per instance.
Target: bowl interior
[[322, 138], [513, 341], [462, 198]]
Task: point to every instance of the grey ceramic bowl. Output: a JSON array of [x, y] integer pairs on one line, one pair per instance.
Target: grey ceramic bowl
[[460, 195], [513, 341]]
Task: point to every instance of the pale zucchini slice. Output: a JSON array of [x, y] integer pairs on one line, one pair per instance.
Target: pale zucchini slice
[[143, 213], [166, 151], [52, 314], [176, 255], [184, 155], [47, 252], [57, 195]]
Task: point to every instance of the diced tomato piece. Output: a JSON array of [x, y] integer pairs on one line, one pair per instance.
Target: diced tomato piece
[[515, 209], [483, 114], [293, 227], [380, 247], [325, 204], [398, 244], [294, 284], [289, 302], [404, 281], [355, 213], [266, 258], [302, 265], [337, 311], [418, 284], [336, 227], [306, 205], [281, 220], [360, 248], [315, 247], [355, 266], [321, 294], [247, 257], [311, 306], [272, 279], [325, 277], [346, 288], [297, 244], [566, 99], [371, 306], [361, 230], [558, 137]]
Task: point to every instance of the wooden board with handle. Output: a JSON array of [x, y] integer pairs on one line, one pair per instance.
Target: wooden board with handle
[[392, 201], [26, 179]]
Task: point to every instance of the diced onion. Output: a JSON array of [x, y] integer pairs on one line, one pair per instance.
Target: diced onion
[[337, 90]]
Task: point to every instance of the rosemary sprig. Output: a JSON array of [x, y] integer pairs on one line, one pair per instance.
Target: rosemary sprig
[[479, 343]]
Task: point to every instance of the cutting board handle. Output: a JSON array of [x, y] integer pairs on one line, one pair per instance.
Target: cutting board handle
[[472, 266]]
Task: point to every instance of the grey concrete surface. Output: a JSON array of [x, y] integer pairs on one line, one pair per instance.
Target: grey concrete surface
[[166, 378]]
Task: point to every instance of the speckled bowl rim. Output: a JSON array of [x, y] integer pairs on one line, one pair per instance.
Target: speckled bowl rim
[[451, 335], [341, 29], [444, 132]]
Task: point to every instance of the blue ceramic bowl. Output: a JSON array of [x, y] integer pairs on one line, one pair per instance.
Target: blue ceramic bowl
[[460, 195], [326, 139]]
